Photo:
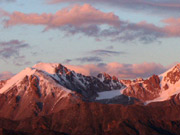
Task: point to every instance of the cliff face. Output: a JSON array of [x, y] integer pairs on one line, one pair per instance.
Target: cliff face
[[145, 89]]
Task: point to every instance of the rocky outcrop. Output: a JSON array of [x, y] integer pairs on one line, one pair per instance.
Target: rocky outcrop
[[145, 89], [111, 82], [34, 86], [173, 76], [2, 83], [88, 86]]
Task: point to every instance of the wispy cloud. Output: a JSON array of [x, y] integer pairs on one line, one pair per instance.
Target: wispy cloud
[[87, 59], [96, 56], [102, 52], [123, 71], [11, 48], [11, 51]]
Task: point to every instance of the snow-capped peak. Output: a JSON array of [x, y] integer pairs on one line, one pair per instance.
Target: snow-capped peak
[[172, 70], [17, 78], [170, 84], [172, 75], [47, 67], [43, 71]]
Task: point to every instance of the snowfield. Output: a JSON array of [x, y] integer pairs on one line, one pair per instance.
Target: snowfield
[[109, 94]]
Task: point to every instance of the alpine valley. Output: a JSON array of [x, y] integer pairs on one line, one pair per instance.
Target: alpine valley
[[49, 99]]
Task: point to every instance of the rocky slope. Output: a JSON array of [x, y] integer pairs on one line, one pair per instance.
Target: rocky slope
[[46, 88], [102, 119], [156, 88], [51, 99]]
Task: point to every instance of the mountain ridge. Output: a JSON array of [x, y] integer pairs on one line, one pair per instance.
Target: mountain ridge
[[60, 101], [89, 86]]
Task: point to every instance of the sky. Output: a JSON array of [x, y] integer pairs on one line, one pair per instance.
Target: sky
[[126, 38]]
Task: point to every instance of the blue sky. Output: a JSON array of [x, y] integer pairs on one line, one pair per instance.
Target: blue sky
[[147, 38]]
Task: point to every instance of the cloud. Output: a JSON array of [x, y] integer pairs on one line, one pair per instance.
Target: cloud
[[7, 0], [102, 52], [91, 22], [172, 26], [10, 51], [83, 16], [96, 56], [20, 61], [142, 31], [88, 59], [109, 47], [11, 48], [5, 75], [161, 6], [125, 32], [122, 71], [67, 61]]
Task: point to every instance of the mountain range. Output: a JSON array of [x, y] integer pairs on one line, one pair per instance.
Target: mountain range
[[50, 99]]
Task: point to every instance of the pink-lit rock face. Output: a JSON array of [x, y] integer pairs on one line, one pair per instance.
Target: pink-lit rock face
[[144, 89], [174, 75], [2, 83], [166, 87], [46, 88], [34, 85], [107, 78]]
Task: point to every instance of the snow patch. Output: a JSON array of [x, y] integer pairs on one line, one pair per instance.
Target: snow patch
[[109, 94], [47, 67], [101, 79]]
